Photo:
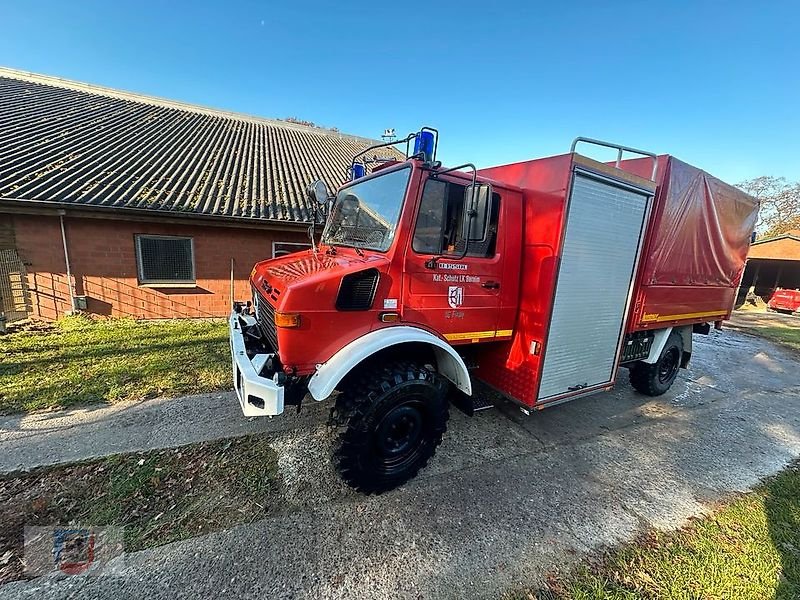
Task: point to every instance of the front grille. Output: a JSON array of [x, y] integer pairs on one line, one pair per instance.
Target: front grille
[[265, 316]]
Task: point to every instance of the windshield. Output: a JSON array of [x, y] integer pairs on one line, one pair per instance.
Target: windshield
[[365, 215]]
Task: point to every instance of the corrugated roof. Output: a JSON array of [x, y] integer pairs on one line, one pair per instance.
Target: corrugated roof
[[75, 143]]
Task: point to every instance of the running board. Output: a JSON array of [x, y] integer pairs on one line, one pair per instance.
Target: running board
[[469, 405]]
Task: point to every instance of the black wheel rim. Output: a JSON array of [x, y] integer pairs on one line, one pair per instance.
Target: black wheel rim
[[669, 366], [401, 436]]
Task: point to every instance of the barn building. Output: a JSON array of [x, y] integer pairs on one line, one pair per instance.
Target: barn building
[[772, 263], [127, 205]]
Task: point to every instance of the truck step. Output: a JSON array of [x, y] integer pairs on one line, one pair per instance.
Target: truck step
[[470, 405], [480, 403]]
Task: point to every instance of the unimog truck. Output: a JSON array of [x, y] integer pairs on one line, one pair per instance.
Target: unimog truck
[[539, 278]]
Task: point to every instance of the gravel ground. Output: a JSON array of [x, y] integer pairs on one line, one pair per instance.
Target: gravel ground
[[749, 319], [507, 499]]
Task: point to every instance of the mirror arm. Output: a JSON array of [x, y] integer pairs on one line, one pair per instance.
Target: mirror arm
[[314, 207], [449, 169], [312, 229]]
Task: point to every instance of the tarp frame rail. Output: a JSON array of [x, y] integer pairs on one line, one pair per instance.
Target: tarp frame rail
[[620, 149]]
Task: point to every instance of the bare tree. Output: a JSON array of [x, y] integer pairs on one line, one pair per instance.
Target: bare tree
[[780, 204]]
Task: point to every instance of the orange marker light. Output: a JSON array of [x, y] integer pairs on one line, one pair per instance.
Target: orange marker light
[[287, 320], [390, 317]]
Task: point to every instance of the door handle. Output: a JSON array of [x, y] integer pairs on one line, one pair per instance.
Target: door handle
[[491, 285]]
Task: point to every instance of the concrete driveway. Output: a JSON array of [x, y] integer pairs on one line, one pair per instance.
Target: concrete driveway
[[507, 499]]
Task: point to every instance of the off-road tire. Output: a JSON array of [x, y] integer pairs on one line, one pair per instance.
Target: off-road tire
[[392, 417], [655, 379]]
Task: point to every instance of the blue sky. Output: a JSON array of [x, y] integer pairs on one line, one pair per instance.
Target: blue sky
[[716, 84]]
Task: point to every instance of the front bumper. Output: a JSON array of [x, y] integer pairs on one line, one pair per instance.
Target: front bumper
[[258, 396]]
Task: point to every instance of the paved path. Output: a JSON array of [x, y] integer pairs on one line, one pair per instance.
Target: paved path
[[507, 499], [48, 438]]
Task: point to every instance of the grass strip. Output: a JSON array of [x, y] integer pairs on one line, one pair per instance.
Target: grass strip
[[79, 361], [158, 496]]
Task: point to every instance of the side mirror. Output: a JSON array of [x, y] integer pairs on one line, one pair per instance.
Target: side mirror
[[477, 201], [318, 192]]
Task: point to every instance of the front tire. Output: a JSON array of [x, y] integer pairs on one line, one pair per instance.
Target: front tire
[[394, 417], [655, 379]]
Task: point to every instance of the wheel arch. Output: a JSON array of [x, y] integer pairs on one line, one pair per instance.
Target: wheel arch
[[660, 340], [448, 362]]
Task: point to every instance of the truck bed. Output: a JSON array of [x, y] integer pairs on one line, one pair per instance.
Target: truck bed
[[695, 246]]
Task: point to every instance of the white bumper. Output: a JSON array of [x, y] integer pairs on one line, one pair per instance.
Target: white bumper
[[258, 396]]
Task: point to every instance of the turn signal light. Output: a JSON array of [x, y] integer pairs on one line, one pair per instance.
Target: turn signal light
[[287, 320], [390, 317]]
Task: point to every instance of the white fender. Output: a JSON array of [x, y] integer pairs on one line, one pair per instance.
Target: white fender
[[659, 341], [328, 376]]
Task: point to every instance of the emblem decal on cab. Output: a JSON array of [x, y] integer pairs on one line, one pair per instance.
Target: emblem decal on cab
[[455, 296]]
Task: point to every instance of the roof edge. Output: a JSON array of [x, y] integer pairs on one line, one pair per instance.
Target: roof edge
[[92, 88], [32, 205], [782, 236]]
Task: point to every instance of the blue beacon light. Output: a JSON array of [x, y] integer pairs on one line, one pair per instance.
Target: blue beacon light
[[358, 171], [423, 143]]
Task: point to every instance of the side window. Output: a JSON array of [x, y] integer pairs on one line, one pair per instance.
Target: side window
[[428, 230], [439, 227]]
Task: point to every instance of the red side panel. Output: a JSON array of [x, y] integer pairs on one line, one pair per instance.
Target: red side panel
[[696, 246], [510, 366]]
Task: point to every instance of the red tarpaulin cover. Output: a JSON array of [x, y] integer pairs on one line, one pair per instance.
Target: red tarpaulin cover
[[702, 229], [696, 244]]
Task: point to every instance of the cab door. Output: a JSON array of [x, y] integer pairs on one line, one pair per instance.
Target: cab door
[[457, 297]]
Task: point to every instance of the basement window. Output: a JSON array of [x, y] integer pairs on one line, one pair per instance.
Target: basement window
[[165, 260]]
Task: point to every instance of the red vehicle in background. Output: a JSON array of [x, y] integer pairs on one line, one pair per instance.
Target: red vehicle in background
[[785, 301], [539, 278]]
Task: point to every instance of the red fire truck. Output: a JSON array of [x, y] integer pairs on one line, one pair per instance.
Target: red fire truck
[[538, 278]]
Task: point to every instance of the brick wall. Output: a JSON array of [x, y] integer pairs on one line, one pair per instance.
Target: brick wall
[[6, 233], [103, 264]]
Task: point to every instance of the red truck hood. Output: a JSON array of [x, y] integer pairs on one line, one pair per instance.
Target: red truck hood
[[283, 272]]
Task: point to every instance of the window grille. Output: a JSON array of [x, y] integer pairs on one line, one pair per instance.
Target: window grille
[[165, 259]]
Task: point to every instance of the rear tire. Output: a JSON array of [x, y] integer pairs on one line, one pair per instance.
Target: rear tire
[[655, 379], [393, 418]]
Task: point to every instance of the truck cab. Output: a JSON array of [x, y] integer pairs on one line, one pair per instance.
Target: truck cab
[[394, 251], [413, 261]]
